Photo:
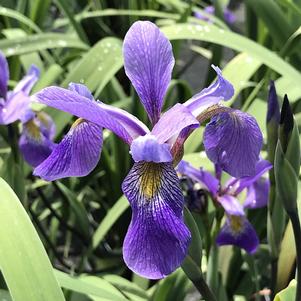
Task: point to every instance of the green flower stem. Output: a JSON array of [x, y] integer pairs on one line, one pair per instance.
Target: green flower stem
[[194, 273], [294, 217], [204, 289]]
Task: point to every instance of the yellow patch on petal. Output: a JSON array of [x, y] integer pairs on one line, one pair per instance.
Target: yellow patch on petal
[[43, 118], [151, 179], [77, 122], [236, 223], [33, 130]]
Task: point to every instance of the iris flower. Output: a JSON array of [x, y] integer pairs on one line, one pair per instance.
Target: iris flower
[[157, 239], [36, 140], [37, 128], [237, 230]]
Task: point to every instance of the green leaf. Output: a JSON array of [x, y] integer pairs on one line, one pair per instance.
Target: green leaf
[[117, 12], [7, 12], [274, 19], [287, 294], [78, 208], [286, 180], [4, 295], [98, 65], [287, 254], [40, 42], [64, 6], [127, 287], [12, 173], [195, 247], [247, 66], [48, 78], [284, 85], [213, 34], [83, 285], [24, 263], [112, 216]]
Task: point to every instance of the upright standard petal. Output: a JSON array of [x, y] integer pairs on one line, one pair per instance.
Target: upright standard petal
[[157, 239], [173, 122], [146, 148], [238, 231], [34, 145], [76, 155], [28, 81], [233, 140], [258, 194], [203, 177], [148, 63], [14, 107], [4, 76], [123, 124], [220, 90]]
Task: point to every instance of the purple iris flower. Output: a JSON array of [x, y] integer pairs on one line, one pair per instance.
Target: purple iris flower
[[37, 128], [237, 230], [36, 140], [229, 16], [157, 239]]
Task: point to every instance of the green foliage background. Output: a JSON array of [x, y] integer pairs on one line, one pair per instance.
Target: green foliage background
[[81, 222]]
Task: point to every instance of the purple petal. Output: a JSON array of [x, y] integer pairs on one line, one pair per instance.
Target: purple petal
[[4, 76], [76, 155], [229, 16], [173, 122], [199, 175], [258, 194], [208, 9], [34, 145], [148, 63], [220, 90], [233, 140], [157, 239], [28, 81], [46, 124], [14, 107], [273, 105], [262, 166], [238, 231], [81, 90], [119, 121], [231, 205], [146, 148]]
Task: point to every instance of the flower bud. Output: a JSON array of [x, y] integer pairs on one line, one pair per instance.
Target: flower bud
[[287, 158]]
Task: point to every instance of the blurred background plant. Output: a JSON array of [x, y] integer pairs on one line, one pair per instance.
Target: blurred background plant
[[82, 221]]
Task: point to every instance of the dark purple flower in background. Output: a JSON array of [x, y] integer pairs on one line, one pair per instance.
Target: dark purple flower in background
[[36, 140], [237, 230], [157, 239], [229, 16], [37, 128]]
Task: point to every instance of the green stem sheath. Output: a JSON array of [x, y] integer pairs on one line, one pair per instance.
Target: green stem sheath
[[294, 217]]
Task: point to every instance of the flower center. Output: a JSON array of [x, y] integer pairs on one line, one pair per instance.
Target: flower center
[[151, 178], [33, 130], [236, 223]]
